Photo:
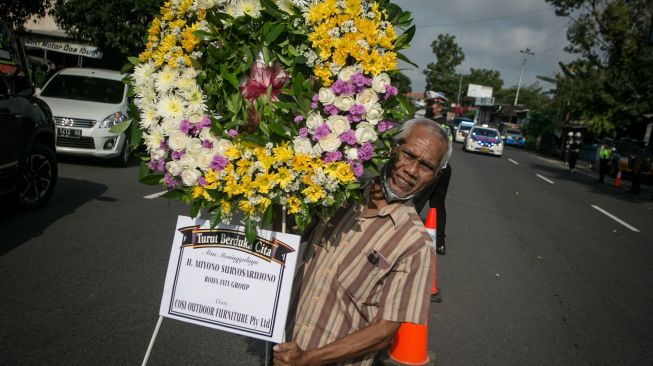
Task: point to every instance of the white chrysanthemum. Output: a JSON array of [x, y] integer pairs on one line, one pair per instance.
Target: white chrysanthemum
[[171, 106], [165, 80], [250, 7], [148, 99], [143, 73], [285, 5], [195, 98], [148, 117], [184, 83], [153, 138]]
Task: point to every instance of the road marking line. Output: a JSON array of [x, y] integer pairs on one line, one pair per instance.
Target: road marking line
[[545, 179], [615, 218], [155, 195], [512, 161]]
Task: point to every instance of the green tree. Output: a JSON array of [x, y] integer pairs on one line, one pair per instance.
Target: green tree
[[532, 97], [441, 75], [611, 85], [402, 83], [17, 12], [118, 27]]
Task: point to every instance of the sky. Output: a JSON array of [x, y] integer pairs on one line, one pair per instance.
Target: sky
[[491, 35]]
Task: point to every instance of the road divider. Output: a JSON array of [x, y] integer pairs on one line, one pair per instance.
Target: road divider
[[512, 161], [155, 195], [545, 179], [615, 218]]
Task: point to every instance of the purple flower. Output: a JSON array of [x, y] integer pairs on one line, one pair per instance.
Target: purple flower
[[161, 165], [201, 181], [303, 132], [332, 156], [169, 181], [384, 125], [390, 91], [360, 81], [356, 168], [207, 144], [232, 133], [204, 122], [218, 162], [331, 109], [298, 118], [365, 152], [315, 98], [356, 113], [341, 87], [163, 145], [151, 164], [177, 154], [314, 105], [185, 126], [348, 137], [321, 132]]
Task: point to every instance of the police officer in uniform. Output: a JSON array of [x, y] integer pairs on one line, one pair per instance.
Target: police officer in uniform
[[605, 153]]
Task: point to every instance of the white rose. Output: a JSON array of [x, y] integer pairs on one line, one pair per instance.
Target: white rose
[[188, 162], [346, 73], [344, 102], [207, 135], [380, 81], [170, 125], [326, 96], [374, 114], [189, 176], [174, 167], [330, 142], [352, 154], [317, 150], [178, 141], [338, 124], [302, 145], [204, 159], [368, 98], [194, 147], [313, 121], [365, 133], [222, 146]]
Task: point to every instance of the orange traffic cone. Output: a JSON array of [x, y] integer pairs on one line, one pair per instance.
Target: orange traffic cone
[[410, 343], [617, 180], [431, 227]]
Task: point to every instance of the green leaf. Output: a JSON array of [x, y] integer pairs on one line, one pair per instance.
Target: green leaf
[[403, 40], [406, 60], [121, 127], [275, 32], [174, 194], [136, 136], [215, 217], [151, 180], [277, 128], [205, 36], [194, 208], [126, 68], [134, 60], [268, 216], [250, 230], [231, 78]]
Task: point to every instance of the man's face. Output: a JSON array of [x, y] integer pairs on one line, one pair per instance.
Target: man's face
[[436, 108], [416, 162]]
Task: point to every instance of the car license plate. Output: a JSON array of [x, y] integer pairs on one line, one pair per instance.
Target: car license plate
[[69, 132], [485, 150]]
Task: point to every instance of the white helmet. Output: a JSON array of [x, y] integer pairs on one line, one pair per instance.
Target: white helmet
[[570, 134], [578, 134]]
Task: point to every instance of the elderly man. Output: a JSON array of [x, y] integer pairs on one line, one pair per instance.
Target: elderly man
[[370, 267]]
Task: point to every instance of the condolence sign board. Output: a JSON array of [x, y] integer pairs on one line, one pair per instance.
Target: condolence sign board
[[217, 279]]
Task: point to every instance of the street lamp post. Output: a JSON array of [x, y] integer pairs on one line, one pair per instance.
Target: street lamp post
[[526, 52]]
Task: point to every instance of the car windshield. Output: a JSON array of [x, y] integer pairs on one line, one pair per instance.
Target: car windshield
[[627, 148], [485, 132], [85, 88], [513, 132], [465, 128]]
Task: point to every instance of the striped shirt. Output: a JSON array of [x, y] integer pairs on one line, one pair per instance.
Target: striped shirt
[[361, 265]]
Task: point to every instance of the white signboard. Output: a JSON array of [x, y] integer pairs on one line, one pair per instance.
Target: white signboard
[[217, 279], [479, 91], [65, 47]]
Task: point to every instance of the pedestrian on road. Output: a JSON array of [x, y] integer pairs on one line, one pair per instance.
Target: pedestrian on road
[[637, 170], [369, 268], [574, 151], [605, 153]]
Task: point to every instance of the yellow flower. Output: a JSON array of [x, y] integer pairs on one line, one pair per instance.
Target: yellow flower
[[263, 203], [226, 206], [232, 153], [243, 166], [197, 191], [264, 182], [294, 204], [246, 207], [284, 178], [282, 153], [313, 193]]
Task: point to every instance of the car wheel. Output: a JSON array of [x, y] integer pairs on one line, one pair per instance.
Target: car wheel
[[38, 179], [123, 158]]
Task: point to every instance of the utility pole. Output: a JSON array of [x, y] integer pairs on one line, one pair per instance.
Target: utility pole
[[460, 85], [526, 52]]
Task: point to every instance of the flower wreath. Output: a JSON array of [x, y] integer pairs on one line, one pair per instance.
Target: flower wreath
[[244, 105]]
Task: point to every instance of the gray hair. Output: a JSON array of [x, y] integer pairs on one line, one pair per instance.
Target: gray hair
[[434, 128]]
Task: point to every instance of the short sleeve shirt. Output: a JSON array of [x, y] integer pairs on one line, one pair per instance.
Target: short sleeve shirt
[[359, 266]]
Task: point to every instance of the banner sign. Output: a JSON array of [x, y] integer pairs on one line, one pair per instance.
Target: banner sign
[[217, 279], [65, 47], [479, 91]]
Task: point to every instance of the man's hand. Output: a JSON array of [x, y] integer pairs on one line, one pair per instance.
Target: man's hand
[[289, 354]]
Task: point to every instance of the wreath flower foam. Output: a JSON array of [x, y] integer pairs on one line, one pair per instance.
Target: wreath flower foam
[[248, 105]]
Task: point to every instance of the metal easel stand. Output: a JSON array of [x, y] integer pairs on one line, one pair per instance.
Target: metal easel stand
[[149, 348], [268, 346]]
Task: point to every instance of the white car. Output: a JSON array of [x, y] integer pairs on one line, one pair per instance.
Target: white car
[[462, 131], [86, 103], [484, 139]]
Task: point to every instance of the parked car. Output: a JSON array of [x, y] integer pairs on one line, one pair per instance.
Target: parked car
[[462, 130], [86, 103], [624, 155], [485, 140], [28, 164], [456, 122]]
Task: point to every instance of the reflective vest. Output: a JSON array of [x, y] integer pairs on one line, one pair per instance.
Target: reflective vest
[[605, 152]]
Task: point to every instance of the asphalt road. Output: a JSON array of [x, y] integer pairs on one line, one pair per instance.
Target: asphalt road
[[534, 275]]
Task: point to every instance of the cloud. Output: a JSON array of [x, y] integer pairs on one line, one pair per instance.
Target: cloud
[[491, 34]]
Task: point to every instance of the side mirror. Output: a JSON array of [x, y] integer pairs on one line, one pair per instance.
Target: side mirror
[[37, 91]]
